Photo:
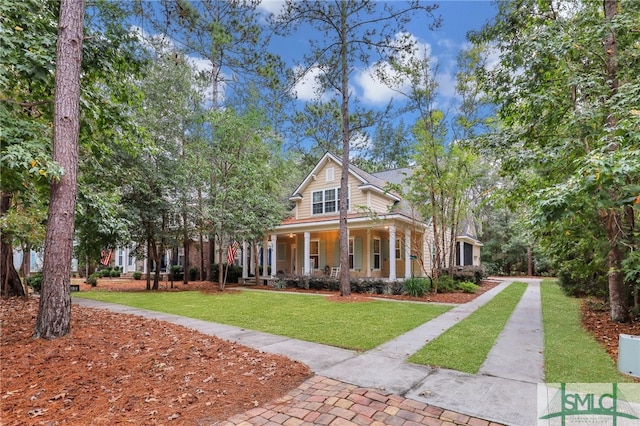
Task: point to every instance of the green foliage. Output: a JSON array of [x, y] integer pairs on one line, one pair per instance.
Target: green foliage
[[445, 284], [115, 273], [234, 273], [474, 274], [468, 287], [35, 281], [105, 272], [137, 275], [93, 279], [416, 286], [574, 163], [193, 273]]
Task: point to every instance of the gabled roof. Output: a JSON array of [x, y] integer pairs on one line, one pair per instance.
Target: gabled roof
[[368, 181]]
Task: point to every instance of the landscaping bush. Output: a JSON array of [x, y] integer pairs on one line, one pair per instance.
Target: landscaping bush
[[137, 275], [468, 287], [35, 281], [233, 274], [93, 279], [474, 274], [446, 284], [416, 286], [176, 273], [102, 273], [193, 273], [115, 273]]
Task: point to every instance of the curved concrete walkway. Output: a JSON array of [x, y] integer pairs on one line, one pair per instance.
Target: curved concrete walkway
[[380, 387]]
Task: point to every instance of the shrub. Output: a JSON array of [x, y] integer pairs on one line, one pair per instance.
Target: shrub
[[446, 284], [416, 286], [93, 279], [176, 272], [233, 274], [102, 273], [115, 273], [468, 287], [193, 273], [137, 275], [35, 281], [474, 274]]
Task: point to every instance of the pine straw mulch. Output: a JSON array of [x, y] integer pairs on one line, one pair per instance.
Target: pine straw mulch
[[596, 319], [116, 368]]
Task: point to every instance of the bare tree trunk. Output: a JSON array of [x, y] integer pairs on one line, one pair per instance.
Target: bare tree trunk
[[11, 284], [54, 314], [612, 217]]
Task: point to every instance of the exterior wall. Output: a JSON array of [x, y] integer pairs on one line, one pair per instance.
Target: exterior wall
[[371, 200]]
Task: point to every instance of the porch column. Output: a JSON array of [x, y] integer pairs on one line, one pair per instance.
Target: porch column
[[460, 245], [392, 252], [306, 270], [367, 256], [244, 260], [265, 256], [274, 239], [407, 254], [252, 264]]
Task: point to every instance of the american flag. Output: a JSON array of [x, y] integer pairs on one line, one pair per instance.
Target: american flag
[[231, 252], [105, 258]]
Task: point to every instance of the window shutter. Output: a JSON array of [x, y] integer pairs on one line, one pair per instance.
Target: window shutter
[[385, 249], [336, 253], [357, 253], [322, 254]]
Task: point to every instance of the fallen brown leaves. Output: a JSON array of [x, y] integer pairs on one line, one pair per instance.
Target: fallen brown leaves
[[597, 320], [116, 368]]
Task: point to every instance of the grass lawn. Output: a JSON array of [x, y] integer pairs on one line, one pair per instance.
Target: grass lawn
[[571, 354], [465, 346], [358, 326]]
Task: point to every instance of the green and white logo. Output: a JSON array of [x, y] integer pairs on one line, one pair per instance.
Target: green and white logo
[[610, 404]]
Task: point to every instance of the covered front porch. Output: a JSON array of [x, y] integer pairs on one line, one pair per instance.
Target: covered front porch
[[384, 251]]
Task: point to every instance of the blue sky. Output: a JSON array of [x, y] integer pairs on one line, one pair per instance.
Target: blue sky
[[443, 45]]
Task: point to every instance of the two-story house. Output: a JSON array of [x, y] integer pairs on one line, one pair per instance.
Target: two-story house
[[386, 239]]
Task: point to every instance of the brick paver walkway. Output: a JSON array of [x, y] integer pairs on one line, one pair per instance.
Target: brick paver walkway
[[324, 401]]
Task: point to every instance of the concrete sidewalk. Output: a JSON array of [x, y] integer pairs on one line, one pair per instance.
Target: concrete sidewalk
[[504, 391]]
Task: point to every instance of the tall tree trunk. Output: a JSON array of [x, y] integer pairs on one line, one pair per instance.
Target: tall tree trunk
[[11, 284], [54, 314], [612, 217], [345, 279]]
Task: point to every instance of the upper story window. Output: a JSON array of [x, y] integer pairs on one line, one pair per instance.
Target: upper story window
[[326, 201]]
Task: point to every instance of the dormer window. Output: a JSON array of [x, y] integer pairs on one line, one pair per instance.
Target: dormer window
[[326, 201]]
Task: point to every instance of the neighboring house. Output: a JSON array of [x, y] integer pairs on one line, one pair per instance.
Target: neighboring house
[[386, 239]]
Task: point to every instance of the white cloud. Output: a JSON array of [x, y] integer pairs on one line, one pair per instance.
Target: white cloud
[[373, 90], [307, 86], [271, 6]]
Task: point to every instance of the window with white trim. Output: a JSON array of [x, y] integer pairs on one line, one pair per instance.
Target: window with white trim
[[398, 249], [351, 251], [376, 253], [326, 201], [314, 253]]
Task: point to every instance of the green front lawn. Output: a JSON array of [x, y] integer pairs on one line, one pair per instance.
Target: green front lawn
[[358, 326], [465, 346], [571, 353]]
